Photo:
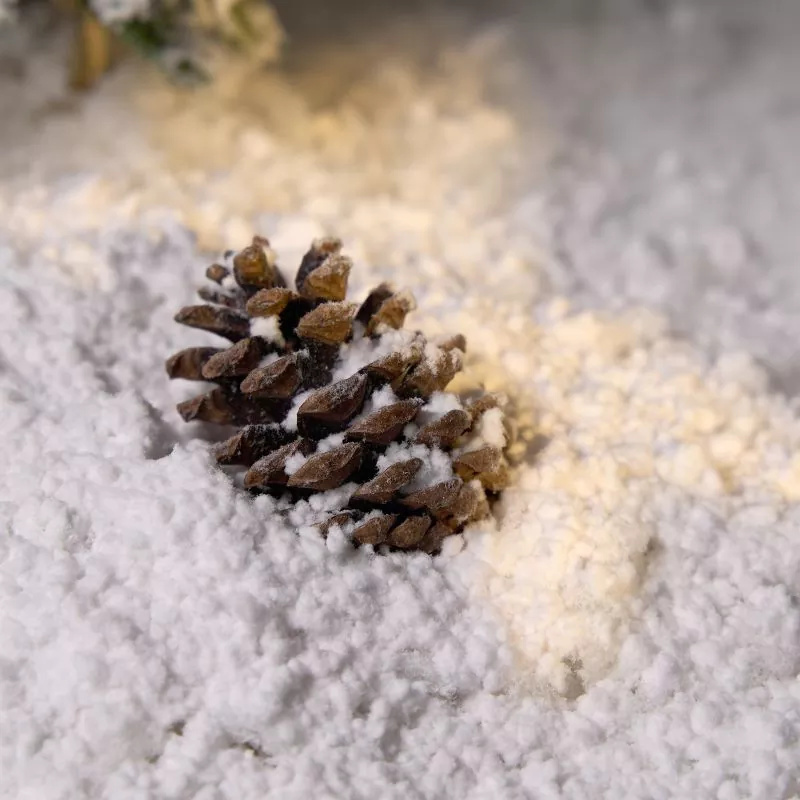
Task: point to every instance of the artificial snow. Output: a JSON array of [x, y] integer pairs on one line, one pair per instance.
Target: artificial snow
[[489, 430], [380, 398], [267, 328], [626, 625]]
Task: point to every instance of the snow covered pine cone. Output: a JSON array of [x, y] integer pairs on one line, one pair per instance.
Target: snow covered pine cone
[[338, 406]]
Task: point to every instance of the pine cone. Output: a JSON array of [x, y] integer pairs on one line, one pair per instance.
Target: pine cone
[[329, 395]]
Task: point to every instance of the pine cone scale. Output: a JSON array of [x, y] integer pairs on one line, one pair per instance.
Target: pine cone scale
[[409, 532], [215, 319], [250, 444], [320, 250], [385, 485], [383, 426], [443, 432], [270, 470], [238, 360], [188, 364], [278, 380], [436, 498], [374, 531], [329, 410], [328, 470]]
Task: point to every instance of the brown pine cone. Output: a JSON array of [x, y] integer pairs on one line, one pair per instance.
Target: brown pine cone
[[330, 396]]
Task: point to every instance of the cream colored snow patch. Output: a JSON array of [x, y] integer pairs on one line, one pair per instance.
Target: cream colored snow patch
[[567, 560], [789, 481], [614, 415]]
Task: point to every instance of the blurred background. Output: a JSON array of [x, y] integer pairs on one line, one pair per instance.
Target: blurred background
[[615, 152]]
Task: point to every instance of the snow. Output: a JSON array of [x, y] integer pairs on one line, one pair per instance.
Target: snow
[[267, 328], [290, 421], [489, 430], [294, 462], [380, 398], [626, 626]]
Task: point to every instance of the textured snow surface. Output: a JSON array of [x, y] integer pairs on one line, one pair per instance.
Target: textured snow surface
[[164, 635], [628, 627]]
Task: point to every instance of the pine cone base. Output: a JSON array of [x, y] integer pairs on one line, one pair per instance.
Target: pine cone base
[[333, 397]]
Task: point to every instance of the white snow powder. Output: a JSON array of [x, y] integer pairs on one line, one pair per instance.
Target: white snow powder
[[489, 430], [438, 405], [380, 398], [267, 328], [628, 626]]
